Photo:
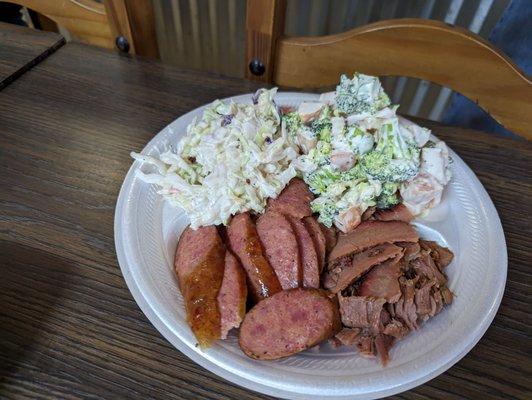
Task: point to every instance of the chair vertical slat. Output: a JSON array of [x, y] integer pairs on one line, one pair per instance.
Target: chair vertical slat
[[142, 27], [264, 25]]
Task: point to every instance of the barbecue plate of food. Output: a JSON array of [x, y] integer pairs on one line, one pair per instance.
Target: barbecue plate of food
[[351, 255]]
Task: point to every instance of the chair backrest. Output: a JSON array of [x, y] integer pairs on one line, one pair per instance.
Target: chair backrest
[[424, 49], [101, 24]]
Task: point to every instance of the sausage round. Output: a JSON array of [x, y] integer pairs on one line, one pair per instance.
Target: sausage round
[[310, 271], [280, 246], [199, 264], [318, 238], [287, 323], [294, 200], [245, 244], [232, 295]]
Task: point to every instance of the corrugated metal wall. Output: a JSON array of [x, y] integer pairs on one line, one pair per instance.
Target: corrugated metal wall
[[209, 34]]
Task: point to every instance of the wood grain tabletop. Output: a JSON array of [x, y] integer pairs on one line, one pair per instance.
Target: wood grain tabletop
[[21, 48], [69, 328]]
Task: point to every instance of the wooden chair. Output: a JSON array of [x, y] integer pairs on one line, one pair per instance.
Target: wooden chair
[[127, 24], [424, 49]]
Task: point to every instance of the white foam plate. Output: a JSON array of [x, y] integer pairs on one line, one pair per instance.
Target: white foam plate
[[146, 234]]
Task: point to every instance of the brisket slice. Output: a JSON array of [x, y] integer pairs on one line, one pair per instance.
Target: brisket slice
[[382, 281], [427, 270], [341, 274], [405, 308], [372, 233], [348, 336], [396, 213], [396, 329], [411, 250], [442, 256], [383, 343], [422, 298], [361, 312]]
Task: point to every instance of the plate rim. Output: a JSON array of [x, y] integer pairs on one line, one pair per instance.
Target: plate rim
[[200, 359]]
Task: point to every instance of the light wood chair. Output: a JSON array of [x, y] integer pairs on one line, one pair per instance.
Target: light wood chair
[[424, 49], [124, 24]]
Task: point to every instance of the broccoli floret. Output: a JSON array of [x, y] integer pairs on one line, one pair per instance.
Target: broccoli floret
[[321, 154], [320, 179], [394, 144], [326, 210], [292, 122], [355, 173], [322, 128], [382, 167], [388, 197], [361, 94]]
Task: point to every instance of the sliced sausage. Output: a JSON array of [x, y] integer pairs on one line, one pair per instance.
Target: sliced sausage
[[287, 323], [294, 200], [280, 246], [331, 237], [319, 239], [245, 244], [309, 259], [232, 295], [199, 264]]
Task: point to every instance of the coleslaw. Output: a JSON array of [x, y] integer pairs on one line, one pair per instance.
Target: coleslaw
[[231, 160]]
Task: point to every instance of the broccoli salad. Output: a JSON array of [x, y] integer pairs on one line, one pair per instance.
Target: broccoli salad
[[230, 161], [350, 147], [358, 153]]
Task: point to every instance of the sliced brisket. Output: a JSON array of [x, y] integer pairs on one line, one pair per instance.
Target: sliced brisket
[[372, 233], [382, 281], [396, 213], [340, 275], [442, 256]]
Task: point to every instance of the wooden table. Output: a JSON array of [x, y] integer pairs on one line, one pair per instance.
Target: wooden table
[[69, 327], [22, 48]]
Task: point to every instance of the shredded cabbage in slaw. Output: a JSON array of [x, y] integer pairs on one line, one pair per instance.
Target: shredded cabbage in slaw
[[231, 160]]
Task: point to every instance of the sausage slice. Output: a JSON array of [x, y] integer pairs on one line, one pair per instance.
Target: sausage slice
[[280, 246], [330, 237], [287, 323], [245, 244], [309, 259], [199, 264], [318, 238], [294, 200], [232, 295]]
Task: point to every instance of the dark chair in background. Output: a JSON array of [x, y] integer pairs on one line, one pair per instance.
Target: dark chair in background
[[125, 24]]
